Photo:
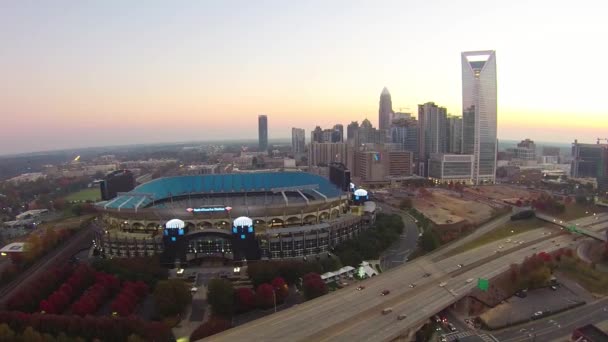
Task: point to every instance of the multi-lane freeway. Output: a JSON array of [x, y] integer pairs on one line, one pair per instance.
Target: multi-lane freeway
[[352, 315]]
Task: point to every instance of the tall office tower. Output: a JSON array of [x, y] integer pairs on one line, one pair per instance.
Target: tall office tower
[[367, 134], [591, 161], [432, 133], [322, 154], [454, 133], [351, 131], [340, 135], [262, 133], [385, 112], [479, 112], [316, 135], [298, 140], [405, 133], [400, 116]]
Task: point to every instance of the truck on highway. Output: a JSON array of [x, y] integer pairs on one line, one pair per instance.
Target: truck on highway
[[522, 215]]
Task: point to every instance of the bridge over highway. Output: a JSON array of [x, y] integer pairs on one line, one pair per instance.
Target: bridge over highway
[[579, 228], [351, 315]]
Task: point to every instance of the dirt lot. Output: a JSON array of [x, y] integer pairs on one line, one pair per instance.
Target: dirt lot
[[442, 208], [503, 192]]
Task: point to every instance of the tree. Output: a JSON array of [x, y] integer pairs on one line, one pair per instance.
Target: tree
[[405, 203], [245, 299], [313, 285], [31, 335], [6, 333], [429, 240], [213, 326], [265, 296], [220, 296], [171, 297], [281, 289]]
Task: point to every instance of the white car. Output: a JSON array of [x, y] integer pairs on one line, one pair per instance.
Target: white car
[[193, 290], [470, 280], [443, 284]]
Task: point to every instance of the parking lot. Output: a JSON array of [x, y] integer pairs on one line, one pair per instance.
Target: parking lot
[[543, 302]]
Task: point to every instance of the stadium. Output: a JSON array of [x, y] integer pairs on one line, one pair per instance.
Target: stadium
[[293, 214]]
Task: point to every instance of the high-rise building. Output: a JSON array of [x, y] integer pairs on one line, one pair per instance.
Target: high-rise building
[[454, 132], [338, 134], [551, 151], [385, 111], [432, 133], [479, 112], [376, 166], [316, 135], [351, 131], [115, 182], [591, 161], [367, 134], [298, 140], [323, 154], [526, 150], [405, 133], [262, 133], [401, 116]]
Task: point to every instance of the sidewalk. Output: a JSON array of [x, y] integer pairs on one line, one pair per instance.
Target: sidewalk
[[192, 319]]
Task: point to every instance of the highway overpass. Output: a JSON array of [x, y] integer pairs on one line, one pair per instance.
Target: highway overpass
[[580, 228], [351, 315]]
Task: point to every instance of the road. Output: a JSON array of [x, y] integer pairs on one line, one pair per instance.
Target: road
[[349, 314], [60, 254], [399, 251], [556, 326]]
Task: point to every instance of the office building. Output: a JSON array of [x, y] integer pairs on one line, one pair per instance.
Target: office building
[[352, 131], [385, 111], [525, 150], [432, 133], [591, 161], [115, 183], [376, 166], [368, 134], [401, 116], [479, 110], [339, 175], [454, 134], [322, 154], [445, 168], [298, 140], [551, 151], [338, 134], [405, 133], [262, 133], [316, 135]]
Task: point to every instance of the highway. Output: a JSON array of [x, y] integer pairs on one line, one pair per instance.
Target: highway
[[349, 314]]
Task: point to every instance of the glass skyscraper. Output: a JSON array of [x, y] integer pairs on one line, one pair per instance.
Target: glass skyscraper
[[479, 111], [262, 133], [385, 112]]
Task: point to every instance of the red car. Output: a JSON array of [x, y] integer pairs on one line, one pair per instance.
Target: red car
[[385, 292]]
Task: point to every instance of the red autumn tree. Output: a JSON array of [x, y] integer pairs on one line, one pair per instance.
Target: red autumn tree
[[245, 299], [265, 296]]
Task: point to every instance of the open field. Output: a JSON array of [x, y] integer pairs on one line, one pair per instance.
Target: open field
[[506, 231], [503, 192], [89, 194], [442, 208]]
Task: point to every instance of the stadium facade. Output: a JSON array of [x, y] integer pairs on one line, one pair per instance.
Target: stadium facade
[[292, 214]]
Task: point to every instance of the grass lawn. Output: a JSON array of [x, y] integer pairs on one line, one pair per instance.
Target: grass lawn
[[503, 232], [592, 280], [89, 194]]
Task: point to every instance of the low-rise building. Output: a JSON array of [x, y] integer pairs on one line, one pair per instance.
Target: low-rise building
[[451, 168]]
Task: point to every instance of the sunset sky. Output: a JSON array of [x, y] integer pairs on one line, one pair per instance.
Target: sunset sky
[[91, 73]]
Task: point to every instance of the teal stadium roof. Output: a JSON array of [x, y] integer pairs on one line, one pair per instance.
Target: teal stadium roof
[[164, 188]]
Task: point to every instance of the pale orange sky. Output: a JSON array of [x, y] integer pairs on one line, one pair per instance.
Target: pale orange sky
[[106, 73]]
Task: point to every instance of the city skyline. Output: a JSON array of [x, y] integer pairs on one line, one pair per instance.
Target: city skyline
[[190, 77]]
